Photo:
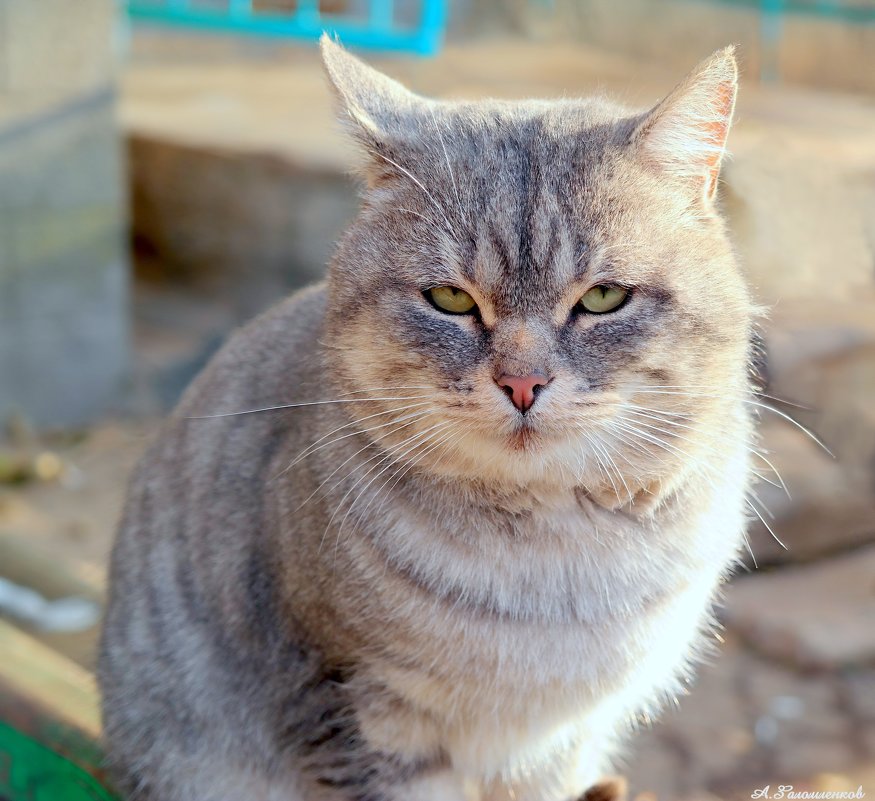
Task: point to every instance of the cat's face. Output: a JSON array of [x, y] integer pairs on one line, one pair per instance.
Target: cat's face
[[539, 291]]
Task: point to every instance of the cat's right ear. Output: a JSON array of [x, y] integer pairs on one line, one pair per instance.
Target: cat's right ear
[[378, 111]]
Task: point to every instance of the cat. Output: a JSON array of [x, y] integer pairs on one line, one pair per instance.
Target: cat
[[446, 525]]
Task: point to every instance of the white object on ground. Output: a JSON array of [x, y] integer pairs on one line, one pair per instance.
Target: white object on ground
[[62, 615]]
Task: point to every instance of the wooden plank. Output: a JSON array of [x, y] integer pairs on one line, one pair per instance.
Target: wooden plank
[[49, 724], [33, 674]]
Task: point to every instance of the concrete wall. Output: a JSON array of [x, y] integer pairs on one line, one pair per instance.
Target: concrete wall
[[812, 50], [63, 268]]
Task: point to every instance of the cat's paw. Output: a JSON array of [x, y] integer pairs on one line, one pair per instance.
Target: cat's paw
[[610, 789], [637, 500]]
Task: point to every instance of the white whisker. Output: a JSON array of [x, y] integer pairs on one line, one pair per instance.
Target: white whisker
[[381, 389], [796, 423], [746, 542], [373, 467], [390, 458], [693, 395], [763, 521], [449, 166], [453, 436], [315, 446], [299, 405], [419, 183], [346, 461], [759, 454]]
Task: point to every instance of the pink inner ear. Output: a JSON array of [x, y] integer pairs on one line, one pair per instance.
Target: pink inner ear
[[718, 130]]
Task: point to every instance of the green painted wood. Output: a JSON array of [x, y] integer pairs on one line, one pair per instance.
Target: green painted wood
[[29, 771], [49, 725]]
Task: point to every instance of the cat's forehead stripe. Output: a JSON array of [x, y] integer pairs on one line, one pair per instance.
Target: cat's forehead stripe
[[518, 200]]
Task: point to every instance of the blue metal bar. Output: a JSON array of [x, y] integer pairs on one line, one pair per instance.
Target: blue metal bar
[[770, 39], [433, 23], [854, 15], [307, 12], [381, 14], [425, 40], [239, 8], [377, 31]]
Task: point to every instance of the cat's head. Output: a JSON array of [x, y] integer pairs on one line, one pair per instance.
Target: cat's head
[[539, 291]]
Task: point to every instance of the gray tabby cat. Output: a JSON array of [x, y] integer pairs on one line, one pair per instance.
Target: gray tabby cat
[[442, 527]]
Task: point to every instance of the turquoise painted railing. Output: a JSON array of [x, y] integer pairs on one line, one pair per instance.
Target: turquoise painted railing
[[860, 12], [375, 27], [773, 13]]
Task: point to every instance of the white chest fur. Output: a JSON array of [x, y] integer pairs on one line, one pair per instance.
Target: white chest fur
[[517, 644]]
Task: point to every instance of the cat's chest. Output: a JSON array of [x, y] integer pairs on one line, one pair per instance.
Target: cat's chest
[[558, 565], [505, 644], [549, 600], [508, 627]]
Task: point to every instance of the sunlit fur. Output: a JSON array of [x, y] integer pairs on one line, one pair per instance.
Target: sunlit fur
[[526, 206], [351, 569]]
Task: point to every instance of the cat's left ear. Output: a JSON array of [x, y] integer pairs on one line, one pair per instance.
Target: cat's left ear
[[379, 112], [686, 133]]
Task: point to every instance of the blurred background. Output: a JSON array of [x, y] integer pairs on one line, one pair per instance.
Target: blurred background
[[168, 169]]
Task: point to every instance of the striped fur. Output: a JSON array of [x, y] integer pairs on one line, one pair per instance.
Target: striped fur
[[413, 592]]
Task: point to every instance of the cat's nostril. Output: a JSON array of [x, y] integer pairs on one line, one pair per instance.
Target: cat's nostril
[[522, 389]]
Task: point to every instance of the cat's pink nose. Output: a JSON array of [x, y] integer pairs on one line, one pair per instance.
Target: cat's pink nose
[[522, 389]]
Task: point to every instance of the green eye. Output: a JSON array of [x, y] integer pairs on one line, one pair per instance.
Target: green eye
[[452, 300], [603, 298]]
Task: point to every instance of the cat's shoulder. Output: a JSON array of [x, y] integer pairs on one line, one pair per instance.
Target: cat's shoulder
[[296, 320], [261, 362]]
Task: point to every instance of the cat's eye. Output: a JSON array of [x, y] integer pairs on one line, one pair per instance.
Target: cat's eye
[[603, 298], [451, 300]]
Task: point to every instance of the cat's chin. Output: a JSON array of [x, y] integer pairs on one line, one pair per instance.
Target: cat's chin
[[519, 456], [526, 438]]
